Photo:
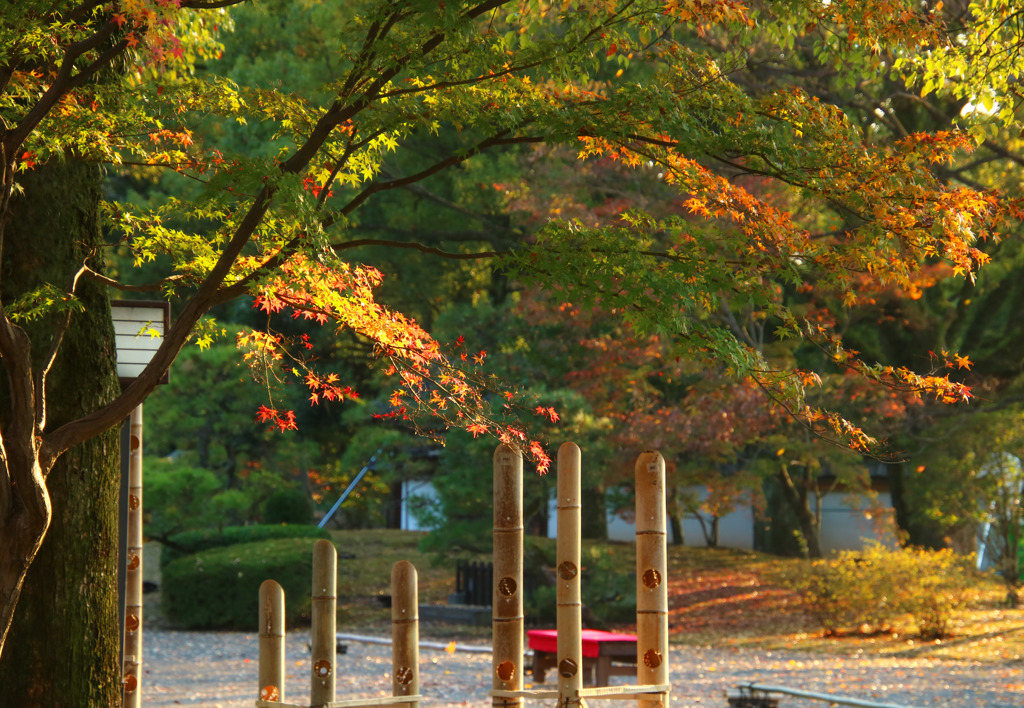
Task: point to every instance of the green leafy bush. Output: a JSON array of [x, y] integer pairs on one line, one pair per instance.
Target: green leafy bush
[[219, 588], [870, 590], [189, 542], [608, 594], [288, 506]]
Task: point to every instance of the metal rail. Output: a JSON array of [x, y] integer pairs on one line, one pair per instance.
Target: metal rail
[[833, 699], [366, 468]]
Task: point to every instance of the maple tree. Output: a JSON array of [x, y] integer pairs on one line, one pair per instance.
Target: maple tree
[[113, 82]]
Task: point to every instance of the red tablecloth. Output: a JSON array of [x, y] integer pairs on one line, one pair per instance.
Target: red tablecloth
[[547, 640]]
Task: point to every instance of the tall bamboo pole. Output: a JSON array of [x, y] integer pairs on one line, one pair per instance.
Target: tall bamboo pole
[[405, 632], [132, 677], [323, 678], [651, 573], [271, 642], [507, 604], [568, 597]]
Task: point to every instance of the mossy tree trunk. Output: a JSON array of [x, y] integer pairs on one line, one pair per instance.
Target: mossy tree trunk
[[797, 493], [63, 646]]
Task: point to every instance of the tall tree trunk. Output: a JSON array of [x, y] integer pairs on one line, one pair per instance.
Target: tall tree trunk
[[920, 532], [675, 516], [62, 650], [594, 521], [797, 495]]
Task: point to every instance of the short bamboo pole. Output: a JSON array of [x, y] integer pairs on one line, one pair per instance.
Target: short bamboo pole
[[569, 620], [271, 642], [323, 678], [651, 573], [507, 605], [405, 633], [132, 637]]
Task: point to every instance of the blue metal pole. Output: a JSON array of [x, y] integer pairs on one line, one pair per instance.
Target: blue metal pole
[[362, 473]]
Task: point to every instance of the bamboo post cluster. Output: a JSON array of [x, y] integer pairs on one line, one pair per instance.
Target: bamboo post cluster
[[405, 681], [132, 638], [652, 687], [507, 605]]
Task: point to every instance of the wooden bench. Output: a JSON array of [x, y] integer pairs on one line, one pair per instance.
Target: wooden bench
[[600, 649]]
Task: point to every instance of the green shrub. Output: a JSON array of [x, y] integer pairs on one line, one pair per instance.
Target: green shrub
[[189, 542], [178, 497], [288, 506], [607, 592], [870, 590], [219, 588]]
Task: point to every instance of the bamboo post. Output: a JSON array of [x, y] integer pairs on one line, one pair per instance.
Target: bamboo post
[[323, 679], [651, 572], [132, 676], [271, 642], [569, 620], [405, 632], [507, 602]]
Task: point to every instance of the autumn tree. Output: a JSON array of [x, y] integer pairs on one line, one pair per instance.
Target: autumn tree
[[277, 219]]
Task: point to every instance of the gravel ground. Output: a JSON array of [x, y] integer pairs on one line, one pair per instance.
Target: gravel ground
[[218, 670]]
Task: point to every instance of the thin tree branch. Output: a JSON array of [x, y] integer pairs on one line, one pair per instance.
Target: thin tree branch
[[51, 355], [423, 248]]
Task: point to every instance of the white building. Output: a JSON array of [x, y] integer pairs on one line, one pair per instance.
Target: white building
[[847, 520]]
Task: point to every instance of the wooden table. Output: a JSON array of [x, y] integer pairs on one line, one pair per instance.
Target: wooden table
[[600, 649]]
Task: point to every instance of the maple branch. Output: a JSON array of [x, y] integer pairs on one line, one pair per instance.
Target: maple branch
[[450, 161], [375, 33], [734, 325], [47, 364], [423, 248], [209, 4], [801, 421], [462, 82], [1003, 152], [77, 13], [106, 280], [422, 191], [435, 236], [206, 296], [63, 81]]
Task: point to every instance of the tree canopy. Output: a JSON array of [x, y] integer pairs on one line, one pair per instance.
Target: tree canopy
[[778, 191]]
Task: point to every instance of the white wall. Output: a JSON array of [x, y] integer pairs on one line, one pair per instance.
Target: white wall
[[846, 520], [415, 488], [735, 530]]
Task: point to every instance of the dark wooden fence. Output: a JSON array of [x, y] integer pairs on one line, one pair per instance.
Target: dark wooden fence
[[474, 583]]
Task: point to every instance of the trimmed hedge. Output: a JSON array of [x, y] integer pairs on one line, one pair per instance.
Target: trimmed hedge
[[219, 588], [288, 506], [190, 542]]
